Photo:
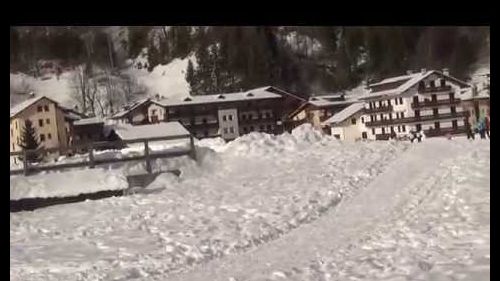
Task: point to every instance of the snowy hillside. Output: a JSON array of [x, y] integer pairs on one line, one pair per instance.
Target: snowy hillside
[[166, 80], [299, 206]]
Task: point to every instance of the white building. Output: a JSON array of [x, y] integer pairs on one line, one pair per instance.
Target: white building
[[427, 101], [349, 123]]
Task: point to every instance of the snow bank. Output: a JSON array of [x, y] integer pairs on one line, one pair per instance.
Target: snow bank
[[68, 184], [256, 189]]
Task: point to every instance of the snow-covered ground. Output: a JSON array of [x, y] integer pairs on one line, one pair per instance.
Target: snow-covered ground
[[267, 207]]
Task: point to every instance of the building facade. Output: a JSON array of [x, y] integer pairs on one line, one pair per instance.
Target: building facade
[[349, 123], [48, 119], [427, 101], [233, 114]]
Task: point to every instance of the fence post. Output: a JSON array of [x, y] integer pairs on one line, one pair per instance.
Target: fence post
[[193, 150], [91, 155], [25, 162], [146, 154]]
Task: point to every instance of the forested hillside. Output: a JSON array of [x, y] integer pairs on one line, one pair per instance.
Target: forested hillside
[[301, 59]]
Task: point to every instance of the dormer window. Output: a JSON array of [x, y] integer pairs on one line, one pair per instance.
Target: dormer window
[[250, 94], [221, 97], [188, 99]]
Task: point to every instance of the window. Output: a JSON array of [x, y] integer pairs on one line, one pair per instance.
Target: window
[[400, 100], [225, 130], [42, 137], [399, 129], [452, 96], [245, 129], [436, 125], [46, 108], [337, 136], [443, 83], [47, 121], [224, 118], [231, 129], [353, 121], [404, 128], [419, 127], [379, 103], [261, 127], [370, 105], [435, 111], [433, 84], [153, 111], [383, 130], [373, 131], [39, 108], [40, 122], [269, 127], [364, 135], [251, 128], [402, 115], [362, 120], [230, 117], [454, 124], [417, 113], [397, 115], [205, 133], [371, 118], [49, 136], [381, 116], [454, 110], [396, 101], [434, 98], [204, 120], [389, 102]]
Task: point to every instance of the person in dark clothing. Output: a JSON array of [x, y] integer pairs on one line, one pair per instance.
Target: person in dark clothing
[[470, 134], [487, 120], [482, 129]]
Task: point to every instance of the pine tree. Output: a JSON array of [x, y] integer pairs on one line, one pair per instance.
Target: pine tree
[[29, 141], [190, 76]]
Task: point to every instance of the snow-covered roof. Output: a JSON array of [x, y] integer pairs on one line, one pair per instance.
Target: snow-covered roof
[[254, 94], [163, 129], [469, 96], [136, 104], [88, 121], [412, 81], [345, 113], [25, 104], [330, 100]]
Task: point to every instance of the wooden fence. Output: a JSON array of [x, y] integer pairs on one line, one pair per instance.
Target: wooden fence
[[28, 168]]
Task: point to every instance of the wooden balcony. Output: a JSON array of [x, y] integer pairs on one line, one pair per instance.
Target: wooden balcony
[[396, 121], [437, 103], [386, 108], [435, 89]]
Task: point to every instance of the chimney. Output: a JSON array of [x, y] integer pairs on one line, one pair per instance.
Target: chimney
[[157, 96], [409, 72], [423, 70], [446, 71]]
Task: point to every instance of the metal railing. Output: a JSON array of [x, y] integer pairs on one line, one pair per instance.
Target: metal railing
[[384, 108], [416, 119], [436, 103]]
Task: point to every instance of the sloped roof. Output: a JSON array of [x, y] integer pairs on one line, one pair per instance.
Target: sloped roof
[[163, 129], [254, 94], [88, 121], [414, 79], [345, 113], [135, 105], [27, 103]]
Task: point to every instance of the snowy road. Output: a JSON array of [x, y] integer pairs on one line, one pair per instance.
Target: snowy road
[[418, 173], [265, 208]]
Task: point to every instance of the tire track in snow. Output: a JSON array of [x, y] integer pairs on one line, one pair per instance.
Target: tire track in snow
[[349, 219]]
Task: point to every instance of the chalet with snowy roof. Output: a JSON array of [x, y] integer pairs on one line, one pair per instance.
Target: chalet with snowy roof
[[230, 115], [349, 123], [135, 114], [426, 100], [51, 122], [319, 108]]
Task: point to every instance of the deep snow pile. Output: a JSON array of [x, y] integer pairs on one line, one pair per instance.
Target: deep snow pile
[[256, 189], [66, 184], [104, 177]]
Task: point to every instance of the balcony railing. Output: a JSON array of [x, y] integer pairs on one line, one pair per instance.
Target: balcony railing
[[436, 103], [445, 131], [385, 108], [415, 119], [435, 89]]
